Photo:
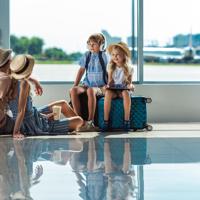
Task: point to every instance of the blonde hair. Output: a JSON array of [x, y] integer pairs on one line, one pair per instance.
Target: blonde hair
[[126, 65]]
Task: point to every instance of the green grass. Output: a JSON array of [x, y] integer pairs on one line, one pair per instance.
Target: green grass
[[53, 62], [173, 64], [145, 64]]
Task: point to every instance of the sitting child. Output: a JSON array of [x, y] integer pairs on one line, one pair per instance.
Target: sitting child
[[30, 120], [120, 73], [94, 62]]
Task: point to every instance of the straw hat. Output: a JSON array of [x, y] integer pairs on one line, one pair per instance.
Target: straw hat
[[5, 55], [22, 66], [123, 46]]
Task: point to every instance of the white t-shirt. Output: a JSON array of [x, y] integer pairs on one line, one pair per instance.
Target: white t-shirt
[[118, 75]]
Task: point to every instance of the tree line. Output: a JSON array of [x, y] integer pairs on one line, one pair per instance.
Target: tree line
[[35, 46]]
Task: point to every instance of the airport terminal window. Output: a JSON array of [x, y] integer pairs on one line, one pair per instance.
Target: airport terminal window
[[171, 35], [171, 40], [55, 32]]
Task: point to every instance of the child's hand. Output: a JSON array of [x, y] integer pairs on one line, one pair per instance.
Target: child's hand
[[131, 87], [107, 86]]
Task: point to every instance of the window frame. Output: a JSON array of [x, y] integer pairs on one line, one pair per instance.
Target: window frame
[[140, 39]]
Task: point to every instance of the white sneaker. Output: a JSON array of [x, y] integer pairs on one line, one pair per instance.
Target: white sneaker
[[88, 127]]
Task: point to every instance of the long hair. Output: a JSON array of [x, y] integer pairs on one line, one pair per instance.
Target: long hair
[[13, 89], [126, 65]]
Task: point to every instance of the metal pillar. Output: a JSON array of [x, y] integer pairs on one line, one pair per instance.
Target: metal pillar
[[4, 23], [140, 42]]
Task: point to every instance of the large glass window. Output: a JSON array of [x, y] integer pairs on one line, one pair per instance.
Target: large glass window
[[55, 32], [171, 40]]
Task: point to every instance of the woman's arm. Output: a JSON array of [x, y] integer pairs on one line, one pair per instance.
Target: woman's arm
[[38, 87], [24, 92], [110, 80]]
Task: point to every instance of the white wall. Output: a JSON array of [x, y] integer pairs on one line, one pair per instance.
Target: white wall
[[171, 103]]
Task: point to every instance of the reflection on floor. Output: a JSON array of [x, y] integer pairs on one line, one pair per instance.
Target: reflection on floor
[[162, 164]]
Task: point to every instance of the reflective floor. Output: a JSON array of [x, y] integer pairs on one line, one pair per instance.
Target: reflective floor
[[100, 168]]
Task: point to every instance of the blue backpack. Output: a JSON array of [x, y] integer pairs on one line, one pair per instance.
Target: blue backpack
[[105, 74]]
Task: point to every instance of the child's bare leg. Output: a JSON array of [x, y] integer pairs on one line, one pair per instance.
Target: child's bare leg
[[126, 157], [75, 123], [74, 93], [107, 157], [109, 95], [66, 109], [91, 93], [127, 104]]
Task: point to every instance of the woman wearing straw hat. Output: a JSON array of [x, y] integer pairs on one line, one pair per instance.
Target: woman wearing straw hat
[[6, 92], [29, 120], [120, 74]]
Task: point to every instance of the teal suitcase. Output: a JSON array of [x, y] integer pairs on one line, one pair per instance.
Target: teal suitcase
[[138, 115]]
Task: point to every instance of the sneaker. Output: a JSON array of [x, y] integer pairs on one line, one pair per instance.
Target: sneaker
[[127, 125], [105, 127], [91, 127]]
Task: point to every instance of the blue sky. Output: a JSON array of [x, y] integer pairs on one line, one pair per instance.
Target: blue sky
[[67, 24]]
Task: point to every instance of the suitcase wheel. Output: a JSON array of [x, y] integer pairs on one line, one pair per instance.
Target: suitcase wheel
[[149, 127], [148, 100]]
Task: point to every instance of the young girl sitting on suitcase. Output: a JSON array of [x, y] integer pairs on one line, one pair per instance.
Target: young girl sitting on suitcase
[[119, 82]]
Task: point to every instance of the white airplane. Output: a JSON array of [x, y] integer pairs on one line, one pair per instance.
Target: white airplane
[[163, 54]]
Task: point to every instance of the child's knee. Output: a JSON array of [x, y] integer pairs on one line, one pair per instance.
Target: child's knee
[[73, 91], [80, 121], [108, 93], [125, 93], [75, 122], [64, 103], [91, 92]]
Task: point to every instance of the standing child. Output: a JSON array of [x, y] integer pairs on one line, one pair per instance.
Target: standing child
[[94, 63], [119, 73]]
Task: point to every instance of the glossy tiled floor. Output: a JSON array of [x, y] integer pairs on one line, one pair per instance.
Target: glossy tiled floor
[[160, 165]]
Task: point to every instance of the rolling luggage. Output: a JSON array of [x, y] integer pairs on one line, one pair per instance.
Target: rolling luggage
[[84, 107], [138, 115]]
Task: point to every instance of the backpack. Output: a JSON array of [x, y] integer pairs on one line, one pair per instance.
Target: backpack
[[105, 74]]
